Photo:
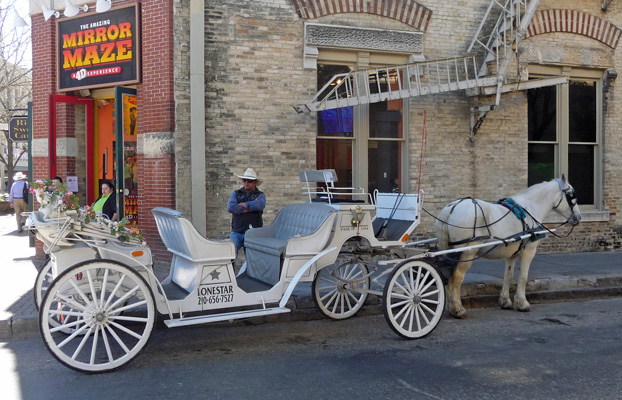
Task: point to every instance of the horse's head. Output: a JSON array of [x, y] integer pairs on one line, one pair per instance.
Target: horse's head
[[567, 205]]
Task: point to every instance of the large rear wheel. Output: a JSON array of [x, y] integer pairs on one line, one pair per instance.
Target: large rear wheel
[[88, 300], [414, 299]]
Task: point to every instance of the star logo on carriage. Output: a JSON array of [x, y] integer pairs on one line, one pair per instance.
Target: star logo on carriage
[[215, 275]]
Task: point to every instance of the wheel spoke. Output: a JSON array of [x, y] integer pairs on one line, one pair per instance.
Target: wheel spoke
[[401, 303], [352, 296], [70, 302], [114, 291], [94, 346], [402, 311], [430, 283], [406, 291], [92, 287], [130, 306], [118, 339], [107, 345], [428, 294], [425, 317], [82, 343], [80, 292], [67, 326], [407, 313], [418, 319], [124, 329], [66, 313], [421, 282], [122, 299], [429, 301], [330, 281], [104, 284], [331, 293], [428, 309], [127, 318]]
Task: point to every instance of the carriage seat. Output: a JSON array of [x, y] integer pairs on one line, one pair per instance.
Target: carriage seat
[[298, 230], [396, 214], [188, 247]]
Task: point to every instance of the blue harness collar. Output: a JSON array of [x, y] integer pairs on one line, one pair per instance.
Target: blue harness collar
[[513, 206]]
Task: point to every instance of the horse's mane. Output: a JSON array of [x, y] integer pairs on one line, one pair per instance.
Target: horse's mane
[[532, 188]]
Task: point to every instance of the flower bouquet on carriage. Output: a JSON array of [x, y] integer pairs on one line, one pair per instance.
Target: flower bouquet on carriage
[[60, 205]]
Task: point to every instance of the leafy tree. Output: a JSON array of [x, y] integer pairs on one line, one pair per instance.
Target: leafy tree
[[15, 82]]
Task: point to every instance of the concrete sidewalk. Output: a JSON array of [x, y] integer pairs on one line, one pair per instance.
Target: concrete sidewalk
[[553, 277]]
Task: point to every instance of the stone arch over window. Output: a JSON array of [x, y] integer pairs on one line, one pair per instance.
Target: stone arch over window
[[406, 11], [578, 22]]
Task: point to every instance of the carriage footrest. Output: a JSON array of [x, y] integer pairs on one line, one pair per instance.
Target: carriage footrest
[[204, 319]]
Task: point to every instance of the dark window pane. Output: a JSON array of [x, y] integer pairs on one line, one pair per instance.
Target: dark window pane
[[541, 163], [384, 166], [337, 155], [582, 111], [542, 113], [581, 172], [385, 119]]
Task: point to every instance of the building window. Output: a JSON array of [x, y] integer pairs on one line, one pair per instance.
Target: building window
[[564, 136], [364, 144]]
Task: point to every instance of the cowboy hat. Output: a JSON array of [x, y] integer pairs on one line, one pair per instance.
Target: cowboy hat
[[19, 176], [250, 174]]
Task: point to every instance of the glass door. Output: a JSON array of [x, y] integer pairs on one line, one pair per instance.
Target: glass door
[[72, 117], [126, 154]]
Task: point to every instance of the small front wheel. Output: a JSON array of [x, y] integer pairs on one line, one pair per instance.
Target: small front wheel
[[108, 307], [340, 289], [414, 299]]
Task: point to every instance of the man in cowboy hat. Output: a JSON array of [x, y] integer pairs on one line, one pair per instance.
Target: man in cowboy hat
[[246, 204], [18, 198]]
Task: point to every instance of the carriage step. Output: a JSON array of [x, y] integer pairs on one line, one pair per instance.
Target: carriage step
[[204, 319]]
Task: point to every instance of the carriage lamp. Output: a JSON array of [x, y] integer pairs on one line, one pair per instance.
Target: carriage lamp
[[357, 217]]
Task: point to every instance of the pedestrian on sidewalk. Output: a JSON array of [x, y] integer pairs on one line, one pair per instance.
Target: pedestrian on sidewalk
[[18, 198]]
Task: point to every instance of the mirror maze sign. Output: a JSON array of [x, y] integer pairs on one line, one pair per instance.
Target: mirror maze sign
[[99, 50]]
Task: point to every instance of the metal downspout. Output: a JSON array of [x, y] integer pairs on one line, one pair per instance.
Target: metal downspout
[[197, 114]]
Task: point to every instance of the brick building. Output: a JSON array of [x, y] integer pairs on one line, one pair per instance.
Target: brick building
[[219, 80]]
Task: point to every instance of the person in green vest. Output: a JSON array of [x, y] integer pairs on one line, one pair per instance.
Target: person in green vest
[[107, 202]]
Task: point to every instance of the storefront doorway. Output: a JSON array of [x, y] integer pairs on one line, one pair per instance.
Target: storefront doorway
[[115, 150]]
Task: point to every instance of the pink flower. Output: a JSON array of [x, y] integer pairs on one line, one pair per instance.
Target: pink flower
[[134, 231]]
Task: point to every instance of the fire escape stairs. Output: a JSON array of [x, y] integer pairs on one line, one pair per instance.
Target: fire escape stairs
[[494, 45]]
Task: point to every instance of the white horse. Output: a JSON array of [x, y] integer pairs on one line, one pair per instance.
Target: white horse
[[469, 221]]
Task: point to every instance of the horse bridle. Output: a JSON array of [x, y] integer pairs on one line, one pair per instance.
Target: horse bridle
[[567, 193]]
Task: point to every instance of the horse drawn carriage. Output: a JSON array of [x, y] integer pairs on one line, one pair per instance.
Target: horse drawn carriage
[[98, 298]]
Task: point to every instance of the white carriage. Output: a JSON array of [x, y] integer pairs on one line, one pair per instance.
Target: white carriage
[[98, 312]]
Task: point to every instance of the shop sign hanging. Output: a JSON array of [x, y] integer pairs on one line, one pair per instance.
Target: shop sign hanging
[[99, 50], [18, 129]]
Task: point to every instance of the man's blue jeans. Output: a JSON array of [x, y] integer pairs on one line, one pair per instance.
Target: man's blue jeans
[[238, 240]]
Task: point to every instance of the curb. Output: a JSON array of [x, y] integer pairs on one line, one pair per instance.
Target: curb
[[303, 307]]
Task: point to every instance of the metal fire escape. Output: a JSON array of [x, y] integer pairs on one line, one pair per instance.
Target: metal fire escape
[[493, 47]]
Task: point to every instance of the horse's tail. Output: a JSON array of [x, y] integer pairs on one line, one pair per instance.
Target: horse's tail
[[442, 228]]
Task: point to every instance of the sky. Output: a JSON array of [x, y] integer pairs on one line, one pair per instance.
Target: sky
[[22, 7]]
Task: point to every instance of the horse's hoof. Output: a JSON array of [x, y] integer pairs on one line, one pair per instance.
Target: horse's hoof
[[523, 308], [506, 304], [460, 314]]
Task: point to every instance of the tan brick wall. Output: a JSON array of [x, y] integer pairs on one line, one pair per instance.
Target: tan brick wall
[[254, 57]]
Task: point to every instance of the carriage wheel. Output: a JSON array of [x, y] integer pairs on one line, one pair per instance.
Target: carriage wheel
[[338, 299], [89, 298], [42, 282], [414, 299]]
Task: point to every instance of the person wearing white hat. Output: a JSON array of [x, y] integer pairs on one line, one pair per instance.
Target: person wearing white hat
[[247, 205], [18, 198]]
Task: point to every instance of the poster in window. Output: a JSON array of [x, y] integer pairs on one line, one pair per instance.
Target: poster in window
[[130, 158]]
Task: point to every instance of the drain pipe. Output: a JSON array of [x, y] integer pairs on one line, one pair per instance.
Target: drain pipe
[[197, 114]]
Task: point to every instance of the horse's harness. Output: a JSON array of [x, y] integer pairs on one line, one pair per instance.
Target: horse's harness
[[568, 194], [520, 213]]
